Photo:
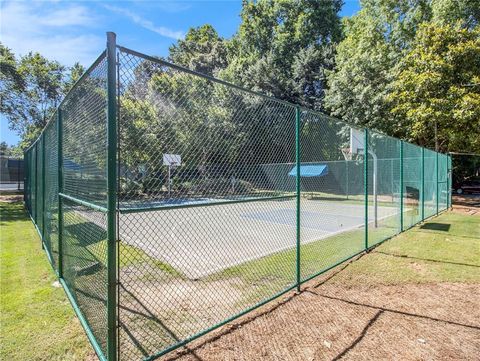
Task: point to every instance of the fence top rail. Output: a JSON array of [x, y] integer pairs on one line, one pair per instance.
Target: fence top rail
[[79, 81], [84, 75], [467, 154], [201, 75]]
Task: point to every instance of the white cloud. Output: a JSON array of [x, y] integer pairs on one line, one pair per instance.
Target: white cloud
[[147, 24], [56, 31], [74, 15]]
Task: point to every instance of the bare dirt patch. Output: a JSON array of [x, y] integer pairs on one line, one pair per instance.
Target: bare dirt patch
[[330, 322], [466, 203], [157, 308]]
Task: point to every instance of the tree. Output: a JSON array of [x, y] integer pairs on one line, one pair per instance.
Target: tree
[[75, 72], [202, 50], [283, 48], [31, 88], [12, 151], [439, 86], [4, 148], [467, 12], [376, 39]]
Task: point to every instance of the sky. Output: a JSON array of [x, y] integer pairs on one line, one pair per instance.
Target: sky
[[70, 31]]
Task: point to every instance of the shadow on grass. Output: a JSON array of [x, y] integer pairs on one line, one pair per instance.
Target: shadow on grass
[[428, 259], [86, 233], [452, 234], [444, 227], [10, 214]]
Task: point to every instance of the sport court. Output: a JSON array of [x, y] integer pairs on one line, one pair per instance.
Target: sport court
[[200, 241]]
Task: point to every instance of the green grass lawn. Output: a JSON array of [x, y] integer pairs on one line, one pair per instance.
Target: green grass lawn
[[444, 249], [37, 321]]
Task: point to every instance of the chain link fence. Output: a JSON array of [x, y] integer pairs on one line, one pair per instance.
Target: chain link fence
[[170, 203], [11, 173], [466, 173]]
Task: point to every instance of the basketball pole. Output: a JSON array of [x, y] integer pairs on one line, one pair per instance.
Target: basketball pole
[[169, 183]]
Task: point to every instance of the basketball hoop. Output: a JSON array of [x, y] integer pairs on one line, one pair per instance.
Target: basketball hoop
[[171, 161], [347, 154]]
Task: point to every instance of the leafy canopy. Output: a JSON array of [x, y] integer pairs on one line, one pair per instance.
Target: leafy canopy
[[31, 87], [284, 47], [439, 84]]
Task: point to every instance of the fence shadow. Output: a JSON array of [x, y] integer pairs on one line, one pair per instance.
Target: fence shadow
[[223, 331], [428, 259], [11, 214], [86, 233], [360, 337], [391, 310]]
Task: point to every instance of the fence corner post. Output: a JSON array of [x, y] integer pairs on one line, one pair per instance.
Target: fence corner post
[[43, 188], [298, 190], [60, 190], [436, 181], [25, 177], [401, 185], [111, 196], [365, 181], [449, 181], [423, 184]]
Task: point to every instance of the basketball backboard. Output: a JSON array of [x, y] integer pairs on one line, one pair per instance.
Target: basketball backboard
[[172, 159], [357, 141]]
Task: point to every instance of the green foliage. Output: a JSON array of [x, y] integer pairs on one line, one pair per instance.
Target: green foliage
[[394, 75], [375, 41], [75, 73], [31, 88], [202, 50], [283, 48], [13, 151], [439, 83], [467, 12], [362, 69]]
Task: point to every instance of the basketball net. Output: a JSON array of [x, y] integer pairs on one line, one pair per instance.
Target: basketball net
[[347, 154]]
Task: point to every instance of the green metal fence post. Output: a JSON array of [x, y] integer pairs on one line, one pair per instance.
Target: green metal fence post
[[365, 181], [423, 184], [401, 186], [451, 180], [449, 184], [436, 179], [24, 177], [298, 189], [112, 197], [449, 187], [60, 190], [43, 188], [37, 181]]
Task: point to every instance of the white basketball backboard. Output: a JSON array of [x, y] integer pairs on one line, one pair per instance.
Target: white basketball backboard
[[172, 159], [357, 141]]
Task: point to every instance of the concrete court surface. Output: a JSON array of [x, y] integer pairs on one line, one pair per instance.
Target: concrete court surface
[[199, 241]]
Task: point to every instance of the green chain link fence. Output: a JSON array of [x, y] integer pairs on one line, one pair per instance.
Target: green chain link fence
[[170, 202]]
